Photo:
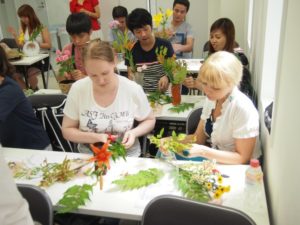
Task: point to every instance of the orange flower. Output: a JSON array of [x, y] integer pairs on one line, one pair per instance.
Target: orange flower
[[129, 45], [102, 155]]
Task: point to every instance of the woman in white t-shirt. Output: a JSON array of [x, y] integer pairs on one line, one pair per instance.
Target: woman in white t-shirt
[[229, 123], [104, 103]]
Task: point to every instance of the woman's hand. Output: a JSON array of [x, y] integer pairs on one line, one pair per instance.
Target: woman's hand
[[12, 31], [128, 139], [163, 83], [77, 75], [195, 151]]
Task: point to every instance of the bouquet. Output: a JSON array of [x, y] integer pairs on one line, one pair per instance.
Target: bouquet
[[65, 60], [176, 70], [161, 19]]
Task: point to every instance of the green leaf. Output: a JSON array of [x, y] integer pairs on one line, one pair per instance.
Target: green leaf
[[74, 197], [142, 179], [181, 107]]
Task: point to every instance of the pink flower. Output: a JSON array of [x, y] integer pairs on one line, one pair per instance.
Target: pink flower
[[65, 57], [58, 52], [67, 52], [114, 24]]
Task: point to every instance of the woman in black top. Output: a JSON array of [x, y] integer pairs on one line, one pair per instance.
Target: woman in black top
[[19, 128]]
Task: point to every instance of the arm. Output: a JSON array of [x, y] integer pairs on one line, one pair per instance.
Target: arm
[[72, 4], [243, 151], [163, 83], [13, 32], [187, 47], [71, 132], [143, 128], [46, 39], [95, 14]]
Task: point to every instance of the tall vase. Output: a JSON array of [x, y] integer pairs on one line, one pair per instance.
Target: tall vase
[[176, 94]]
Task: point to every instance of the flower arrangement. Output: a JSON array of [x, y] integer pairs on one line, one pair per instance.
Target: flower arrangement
[[201, 181], [65, 60], [161, 19], [176, 70]]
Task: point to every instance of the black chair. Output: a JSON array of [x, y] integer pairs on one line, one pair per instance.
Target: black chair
[[40, 205], [193, 121], [49, 109], [10, 42], [175, 210]]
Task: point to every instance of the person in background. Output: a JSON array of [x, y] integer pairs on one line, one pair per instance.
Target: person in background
[[13, 207], [29, 23], [229, 124], [92, 9], [79, 27], [19, 128], [183, 38], [119, 13], [105, 103], [139, 21]]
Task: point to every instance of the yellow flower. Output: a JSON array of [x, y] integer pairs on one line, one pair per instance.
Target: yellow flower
[[217, 194], [220, 179], [221, 189], [227, 188], [21, 38], [208, 185], [169, 12], [157, 19]]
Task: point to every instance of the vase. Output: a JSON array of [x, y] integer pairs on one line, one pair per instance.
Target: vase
[[120, 57], [65, 85], [138, 77], [31, 48], [176, 94]]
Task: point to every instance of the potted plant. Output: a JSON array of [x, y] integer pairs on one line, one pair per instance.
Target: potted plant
[[66, 62], [32, 47], [176, 71]]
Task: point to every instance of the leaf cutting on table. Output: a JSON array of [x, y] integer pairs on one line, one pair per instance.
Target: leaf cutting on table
[[141, 179], [181, 107]]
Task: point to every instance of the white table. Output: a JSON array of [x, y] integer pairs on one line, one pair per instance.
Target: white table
[[111, 202], [27, 61], [193, 65], [162, 112]]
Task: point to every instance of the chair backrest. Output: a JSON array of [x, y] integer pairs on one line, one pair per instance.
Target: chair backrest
[[193, 120], [40, 205], [175, 210], [10, 42], [49, 109]]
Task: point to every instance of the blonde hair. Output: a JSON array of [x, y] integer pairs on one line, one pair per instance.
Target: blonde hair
[[97, 49], [221, 69]]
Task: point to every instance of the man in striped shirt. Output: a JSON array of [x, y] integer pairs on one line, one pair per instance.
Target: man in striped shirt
[[140, 23]]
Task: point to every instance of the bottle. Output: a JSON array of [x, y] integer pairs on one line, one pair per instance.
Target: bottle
[[254, 190], [254, 174]]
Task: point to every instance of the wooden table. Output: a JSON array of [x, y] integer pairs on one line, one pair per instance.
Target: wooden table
[[111, 202]]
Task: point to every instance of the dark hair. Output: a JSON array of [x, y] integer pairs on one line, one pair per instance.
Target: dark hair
[[119, 11], [139, 18], [78, 23], [186, 3], [27, 11], [5, 67], [227, 27]]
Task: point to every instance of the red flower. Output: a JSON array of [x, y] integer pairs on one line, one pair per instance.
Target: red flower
[[102, 155]]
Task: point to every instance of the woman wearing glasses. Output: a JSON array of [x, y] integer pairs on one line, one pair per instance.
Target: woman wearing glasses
[[104, 103]]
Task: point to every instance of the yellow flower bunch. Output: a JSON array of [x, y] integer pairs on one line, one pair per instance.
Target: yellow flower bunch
[[161, 19], [21, 38]]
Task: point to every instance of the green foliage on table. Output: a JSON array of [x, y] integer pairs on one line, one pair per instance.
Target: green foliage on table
[[53, 172], [142, 179], [190, 188], [158, 97], [74, 197], [181, 107], [176, 143]]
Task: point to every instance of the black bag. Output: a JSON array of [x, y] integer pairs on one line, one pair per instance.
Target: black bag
[[49, 109]]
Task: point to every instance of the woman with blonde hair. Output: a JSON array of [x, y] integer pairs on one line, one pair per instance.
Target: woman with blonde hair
[[30, 23], [105, 103], [229, 124]]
